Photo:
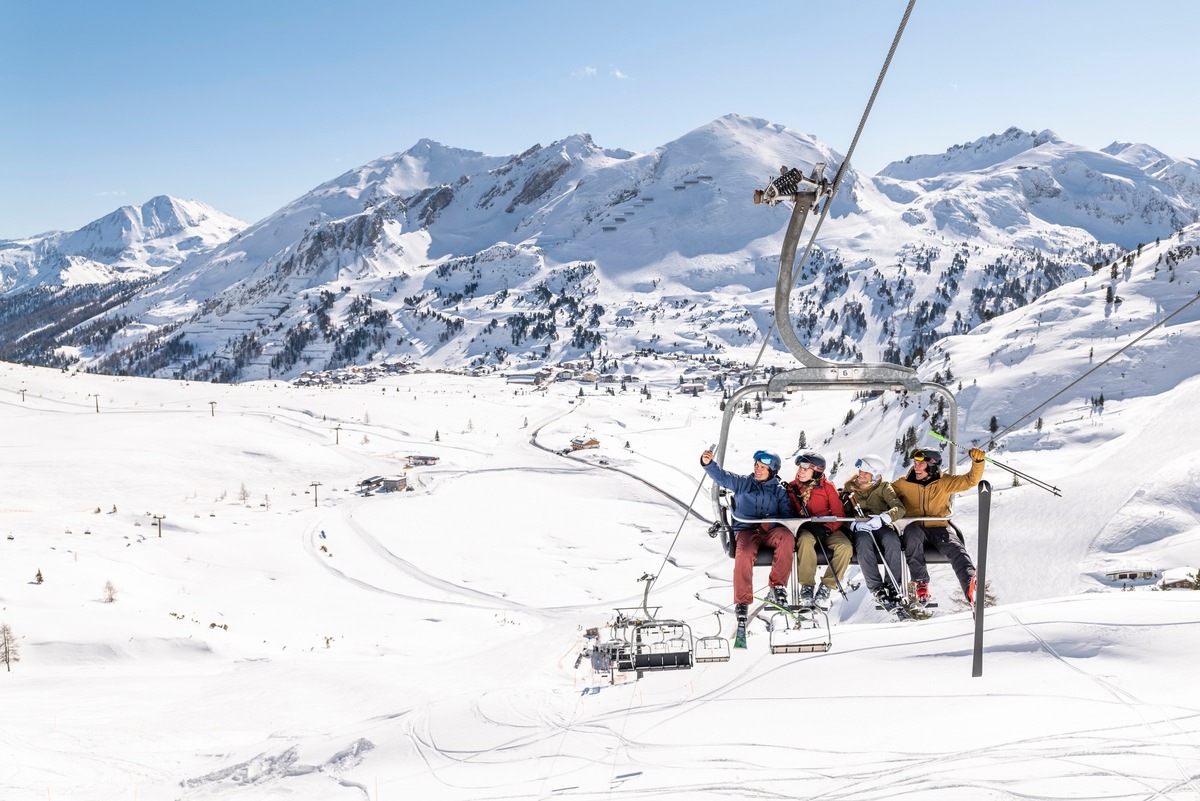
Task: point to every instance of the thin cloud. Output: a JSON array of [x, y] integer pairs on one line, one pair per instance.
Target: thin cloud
[[584, 72], [619, 75]]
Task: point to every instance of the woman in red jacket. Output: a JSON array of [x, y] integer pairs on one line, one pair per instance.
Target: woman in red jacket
[[812, 495]]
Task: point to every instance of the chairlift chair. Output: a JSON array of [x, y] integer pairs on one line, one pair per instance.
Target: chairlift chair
[[649, 644], [814, 373], [714, 648], [807, 634]]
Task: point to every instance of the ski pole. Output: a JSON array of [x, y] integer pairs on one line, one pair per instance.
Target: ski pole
[[1035, 481], [1019, 474], [829, 562], [879, 549]]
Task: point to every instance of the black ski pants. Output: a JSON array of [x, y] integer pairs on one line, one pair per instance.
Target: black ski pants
[[942, 538], [867, 545]]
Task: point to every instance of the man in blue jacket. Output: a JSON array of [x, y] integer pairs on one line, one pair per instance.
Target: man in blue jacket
[[757, 496]]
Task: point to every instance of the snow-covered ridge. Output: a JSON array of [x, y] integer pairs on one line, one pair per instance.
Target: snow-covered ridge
[[683, 261]]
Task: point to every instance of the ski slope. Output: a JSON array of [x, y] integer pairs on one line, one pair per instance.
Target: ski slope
[[423, 644]]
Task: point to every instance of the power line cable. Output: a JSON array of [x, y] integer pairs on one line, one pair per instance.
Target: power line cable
[[1121, 350]]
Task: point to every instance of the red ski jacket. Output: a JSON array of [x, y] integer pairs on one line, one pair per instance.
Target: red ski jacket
[[823, 500]]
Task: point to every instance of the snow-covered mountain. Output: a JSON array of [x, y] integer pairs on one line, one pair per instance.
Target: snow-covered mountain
[[457, 259], [999, 185], [131, 243]]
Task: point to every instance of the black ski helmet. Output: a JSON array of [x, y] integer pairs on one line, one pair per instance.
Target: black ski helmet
[[931, 457]]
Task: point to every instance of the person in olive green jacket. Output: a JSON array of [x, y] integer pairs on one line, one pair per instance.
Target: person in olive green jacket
[[868, 495], [925, 492]]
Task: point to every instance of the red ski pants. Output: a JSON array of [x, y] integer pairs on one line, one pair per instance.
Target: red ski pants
[[748, 542]]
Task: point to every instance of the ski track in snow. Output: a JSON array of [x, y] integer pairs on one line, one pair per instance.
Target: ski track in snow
[[1084, 695]]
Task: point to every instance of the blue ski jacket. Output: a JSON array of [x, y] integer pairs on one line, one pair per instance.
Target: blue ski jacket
[[751, 498]]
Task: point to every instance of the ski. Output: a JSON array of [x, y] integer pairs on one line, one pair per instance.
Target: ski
[[894, 609], [739, 632], [795, 612], [757, 613]]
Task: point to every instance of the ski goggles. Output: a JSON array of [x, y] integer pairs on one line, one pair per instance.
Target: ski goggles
[[767, 460], [933, 457], [813, 460]]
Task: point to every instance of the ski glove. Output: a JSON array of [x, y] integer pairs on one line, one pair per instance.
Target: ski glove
[[872, 523], [976, 455]]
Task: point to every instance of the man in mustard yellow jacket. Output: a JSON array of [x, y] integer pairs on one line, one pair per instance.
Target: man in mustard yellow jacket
[[925, 492]]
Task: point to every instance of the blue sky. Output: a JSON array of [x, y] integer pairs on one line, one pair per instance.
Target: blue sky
[[246, 106]]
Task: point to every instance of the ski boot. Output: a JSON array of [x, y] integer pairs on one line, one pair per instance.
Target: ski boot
[[822, 599], [805, 601], [886, 600], [739, 638], [883, 599], [921, 594]]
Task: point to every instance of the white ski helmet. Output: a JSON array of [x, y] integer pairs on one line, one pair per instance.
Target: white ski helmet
[[871, 463]]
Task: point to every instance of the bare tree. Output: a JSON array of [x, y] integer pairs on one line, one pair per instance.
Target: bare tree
[[9, 652], [110, 592]]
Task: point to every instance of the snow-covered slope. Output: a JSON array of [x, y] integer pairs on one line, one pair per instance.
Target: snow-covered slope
[[288, 637], [1183, 175]]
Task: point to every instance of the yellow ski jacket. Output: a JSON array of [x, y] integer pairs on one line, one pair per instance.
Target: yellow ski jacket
[[932, 498]]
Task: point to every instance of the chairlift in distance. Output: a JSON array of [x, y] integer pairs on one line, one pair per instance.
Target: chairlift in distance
[[646, 643], [713, 648], [641, 641]]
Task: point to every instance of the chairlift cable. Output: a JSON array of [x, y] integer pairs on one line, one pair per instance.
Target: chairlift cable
[[654, 578], [837, 180], [1121, 350]]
